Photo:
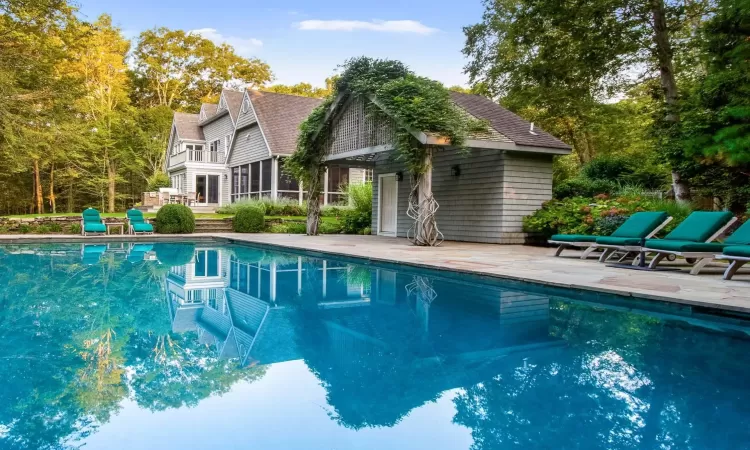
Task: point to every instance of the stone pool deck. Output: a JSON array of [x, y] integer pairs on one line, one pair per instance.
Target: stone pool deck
[[534, 264]]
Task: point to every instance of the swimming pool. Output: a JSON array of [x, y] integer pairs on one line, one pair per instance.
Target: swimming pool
[[208, 345]]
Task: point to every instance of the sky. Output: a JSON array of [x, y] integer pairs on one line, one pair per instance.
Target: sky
[[304, 41]]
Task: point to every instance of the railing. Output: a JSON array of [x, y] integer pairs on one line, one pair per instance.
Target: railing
[[202, 156]]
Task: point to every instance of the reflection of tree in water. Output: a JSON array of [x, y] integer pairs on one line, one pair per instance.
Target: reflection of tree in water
[[625, 381], [76, 339]]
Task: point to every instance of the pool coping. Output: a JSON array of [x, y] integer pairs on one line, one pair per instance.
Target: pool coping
[[269, 242]]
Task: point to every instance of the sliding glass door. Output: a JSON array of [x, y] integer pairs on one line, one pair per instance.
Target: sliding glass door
[[207, 187]]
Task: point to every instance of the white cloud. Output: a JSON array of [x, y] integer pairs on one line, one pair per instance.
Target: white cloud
[[243, 46], [388, 26]]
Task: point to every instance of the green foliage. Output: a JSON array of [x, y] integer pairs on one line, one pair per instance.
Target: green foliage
[[41, 229], [55, 228], [583, 187], [598, 216], [288, 228], [24, 229], [175, 219], [278, 207], [75, 228], [249, 219], [355, 221], [327, 227], [157, 181], [334, 210], [607, 168]]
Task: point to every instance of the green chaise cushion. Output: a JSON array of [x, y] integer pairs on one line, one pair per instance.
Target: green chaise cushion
[[737, 250], [143, 228], [135, 215], [684, 246], [640, 224], [741, 235], [94, 227], [620, 241], [573, 238], [700, 226], [91, 215]]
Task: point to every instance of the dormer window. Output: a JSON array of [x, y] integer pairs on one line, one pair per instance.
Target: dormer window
[[245, 105]]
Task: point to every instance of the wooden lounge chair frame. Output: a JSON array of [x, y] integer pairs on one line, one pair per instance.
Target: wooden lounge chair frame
[[702, 258]]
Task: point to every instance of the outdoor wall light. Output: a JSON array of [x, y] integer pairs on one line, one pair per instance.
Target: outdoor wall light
[[399, 176], [455, 170]]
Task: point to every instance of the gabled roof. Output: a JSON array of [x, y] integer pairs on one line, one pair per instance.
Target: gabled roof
[[234, 102], [209, 109], [505, 122], [280, 116], [188, 127]]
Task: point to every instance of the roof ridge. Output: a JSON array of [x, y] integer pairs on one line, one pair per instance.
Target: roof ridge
[[288, 95]]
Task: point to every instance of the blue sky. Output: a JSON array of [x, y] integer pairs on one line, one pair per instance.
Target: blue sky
[[305, 41]]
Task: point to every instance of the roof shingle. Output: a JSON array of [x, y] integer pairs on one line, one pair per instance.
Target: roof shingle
[[280, 116], [234, 102], [209, 109], [505, 122], [188, 126]]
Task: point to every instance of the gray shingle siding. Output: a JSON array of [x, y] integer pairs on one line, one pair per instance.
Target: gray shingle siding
[[246, 118], [218, 129], [489, 199], [248, 147]]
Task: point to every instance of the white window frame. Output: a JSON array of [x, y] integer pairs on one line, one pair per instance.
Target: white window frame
[[245, 104], [380, 204], [214, 145], [222, 102]]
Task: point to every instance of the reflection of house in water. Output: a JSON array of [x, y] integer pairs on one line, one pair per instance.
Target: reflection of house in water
[[250, 304]]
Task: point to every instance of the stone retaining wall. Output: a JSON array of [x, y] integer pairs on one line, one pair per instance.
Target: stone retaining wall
[[51, 225]]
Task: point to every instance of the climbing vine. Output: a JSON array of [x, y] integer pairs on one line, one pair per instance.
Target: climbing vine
[[414, 103]]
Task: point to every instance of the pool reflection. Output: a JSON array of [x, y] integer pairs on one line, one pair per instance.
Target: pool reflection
[[169, 326]]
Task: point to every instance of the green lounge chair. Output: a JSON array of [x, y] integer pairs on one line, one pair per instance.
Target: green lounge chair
[[738, 256], [137, 224], [137, 252], [639, 226], [693, 239], [92, 253], [91, 222]]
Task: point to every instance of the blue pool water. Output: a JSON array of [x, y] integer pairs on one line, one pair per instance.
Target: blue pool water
[[196, 346]]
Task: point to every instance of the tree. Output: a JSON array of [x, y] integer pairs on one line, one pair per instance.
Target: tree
[[302, 89], [565, 59], [101, 65], [179, 69]]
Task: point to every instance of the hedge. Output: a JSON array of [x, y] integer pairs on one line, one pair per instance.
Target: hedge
[[175, 219], [249, 219]]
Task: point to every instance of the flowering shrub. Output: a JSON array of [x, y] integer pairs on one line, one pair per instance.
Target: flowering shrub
[[600, 215]]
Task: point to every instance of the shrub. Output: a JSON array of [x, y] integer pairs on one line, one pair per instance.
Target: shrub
[[55, 228], [158, 180], [583, 187], [599, 215], [360, 196], [175, 219], [604, 226], [288, 228], [75, 228], [249, 219], [329, 228], [279, 207], [42, 229], [608, 168], [24, 229], [354, 222], [333, 210]]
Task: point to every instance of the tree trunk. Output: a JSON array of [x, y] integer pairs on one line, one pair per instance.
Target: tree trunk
[[38, 188], [111, 184], [70, 197], [313, 202], [664, 56], [52, 202], [426, 231]]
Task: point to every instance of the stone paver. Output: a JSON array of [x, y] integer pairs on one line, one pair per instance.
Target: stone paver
[[533, 264]]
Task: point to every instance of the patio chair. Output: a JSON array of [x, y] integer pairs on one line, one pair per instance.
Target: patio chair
[[137, 224], [693, 239], [192, 198], [92, 253], [737, 255], [137, 252], [639, 226], [91, 222]]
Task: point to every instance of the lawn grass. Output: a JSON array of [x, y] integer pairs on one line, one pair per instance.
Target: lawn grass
[[152, 215]]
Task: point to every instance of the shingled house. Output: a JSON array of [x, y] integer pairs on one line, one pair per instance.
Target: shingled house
[[235, 150], [483, 194]]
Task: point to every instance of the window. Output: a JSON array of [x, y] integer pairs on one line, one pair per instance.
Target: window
[[214, 145], [235, 182], [245, 104], [367, 176], [255, 177], [206, 263], [337, 178], [288, 187], [196, 147], [265, 176], [244, 179]]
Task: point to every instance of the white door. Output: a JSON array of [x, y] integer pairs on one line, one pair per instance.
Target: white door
[[388, 201]]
